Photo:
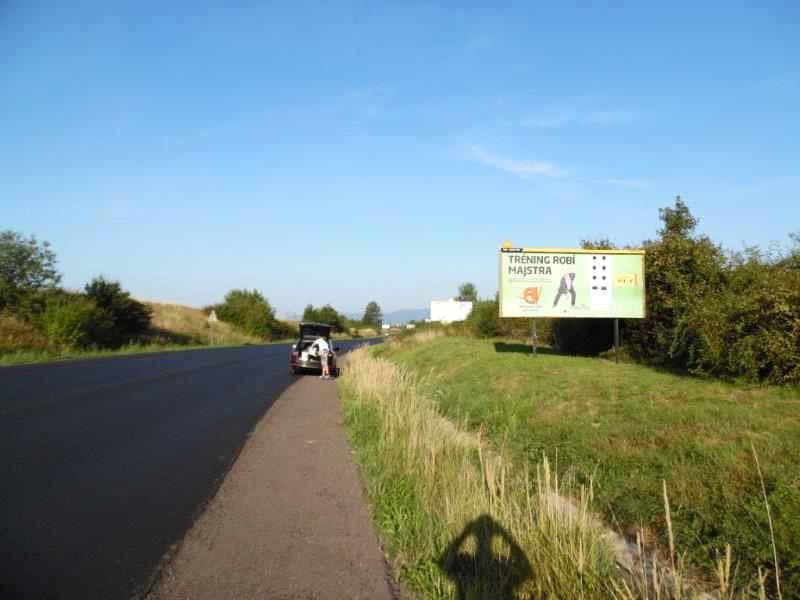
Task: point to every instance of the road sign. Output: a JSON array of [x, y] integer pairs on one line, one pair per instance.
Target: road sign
[[542, 282], [212, 318]]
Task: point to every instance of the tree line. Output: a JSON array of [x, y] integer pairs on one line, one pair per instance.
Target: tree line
[[104, 315], [372, 319], [251, 312], [101, 315]]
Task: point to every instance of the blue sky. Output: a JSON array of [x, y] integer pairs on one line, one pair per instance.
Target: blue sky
[[343, 152]]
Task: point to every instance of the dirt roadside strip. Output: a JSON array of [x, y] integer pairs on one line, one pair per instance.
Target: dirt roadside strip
[[290, 519]]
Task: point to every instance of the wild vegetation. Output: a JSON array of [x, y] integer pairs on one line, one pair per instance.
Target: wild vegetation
[[368, 325], [458, 520], [734, 315], [39, 320], [328, 315], [251, 312], [373, 316], [173, 324], [627, 431]]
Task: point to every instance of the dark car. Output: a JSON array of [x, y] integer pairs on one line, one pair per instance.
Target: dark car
[[302, 359]]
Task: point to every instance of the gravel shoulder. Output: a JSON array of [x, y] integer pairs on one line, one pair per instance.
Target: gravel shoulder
[[290, 519]]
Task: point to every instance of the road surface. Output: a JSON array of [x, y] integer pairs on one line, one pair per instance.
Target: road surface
[[105, 463]]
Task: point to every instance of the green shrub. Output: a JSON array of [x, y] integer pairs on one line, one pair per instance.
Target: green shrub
[[748, 328], [281, 330], [75, 321], [128, 316], [29, 305], [249, 311], [484, 322], [680, 270]]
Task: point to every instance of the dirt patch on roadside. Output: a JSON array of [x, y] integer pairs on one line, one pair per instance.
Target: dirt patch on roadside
[[290, 519]]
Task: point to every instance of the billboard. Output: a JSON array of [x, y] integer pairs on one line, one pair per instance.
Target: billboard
[[543, 282]]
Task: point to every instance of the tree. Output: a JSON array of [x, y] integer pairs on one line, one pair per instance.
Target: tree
[[678, 221], [467, 292], [25, 265], [310, 314], [250, 311], [325, 314], [128, 316], [680, 271], [373, 316], [602, 242]]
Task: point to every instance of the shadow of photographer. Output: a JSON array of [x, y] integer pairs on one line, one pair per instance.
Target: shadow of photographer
[[484, 561]]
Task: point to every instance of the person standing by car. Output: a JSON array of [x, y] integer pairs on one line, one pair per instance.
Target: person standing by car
[[321, 344]]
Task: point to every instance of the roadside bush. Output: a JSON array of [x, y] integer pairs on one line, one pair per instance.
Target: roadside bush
[[29, 305], [127, 316], [74, 321], [281, 330], [734, 316], [484, 322], [749, 328], [680, 271], [249, 311]]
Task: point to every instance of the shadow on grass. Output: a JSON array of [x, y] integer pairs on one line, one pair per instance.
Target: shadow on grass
[[520, 348], [477, 570]]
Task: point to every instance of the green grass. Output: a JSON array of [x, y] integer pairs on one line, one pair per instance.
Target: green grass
[[629, 427], [457, 519]]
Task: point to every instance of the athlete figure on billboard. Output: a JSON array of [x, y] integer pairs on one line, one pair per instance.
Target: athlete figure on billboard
[[566, 286]]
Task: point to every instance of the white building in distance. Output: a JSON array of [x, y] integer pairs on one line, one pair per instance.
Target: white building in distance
[[448, 311]]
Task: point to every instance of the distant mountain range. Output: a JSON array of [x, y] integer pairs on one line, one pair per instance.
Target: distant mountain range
[[398, 317]]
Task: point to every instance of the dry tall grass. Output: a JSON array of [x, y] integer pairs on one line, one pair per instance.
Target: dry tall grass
[[462, 521], [17, 335], [473, 501], [175, 323]]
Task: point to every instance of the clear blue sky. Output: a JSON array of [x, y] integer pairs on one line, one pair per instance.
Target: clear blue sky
[[342, 152]]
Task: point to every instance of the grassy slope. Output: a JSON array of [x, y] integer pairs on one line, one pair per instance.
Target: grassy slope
[[458, 520], [178, 324], [632, 426]]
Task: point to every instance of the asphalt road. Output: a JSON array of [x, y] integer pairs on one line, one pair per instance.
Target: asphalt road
[[105, 463]]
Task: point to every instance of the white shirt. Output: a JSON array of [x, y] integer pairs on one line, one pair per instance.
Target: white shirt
[[322, 345]]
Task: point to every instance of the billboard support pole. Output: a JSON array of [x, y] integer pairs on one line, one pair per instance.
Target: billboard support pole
[[534, 336], [616, 341]]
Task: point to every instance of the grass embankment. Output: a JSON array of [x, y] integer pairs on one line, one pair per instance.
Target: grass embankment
[[458, 519], [173, 327], [628, 428], [179, 324]]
